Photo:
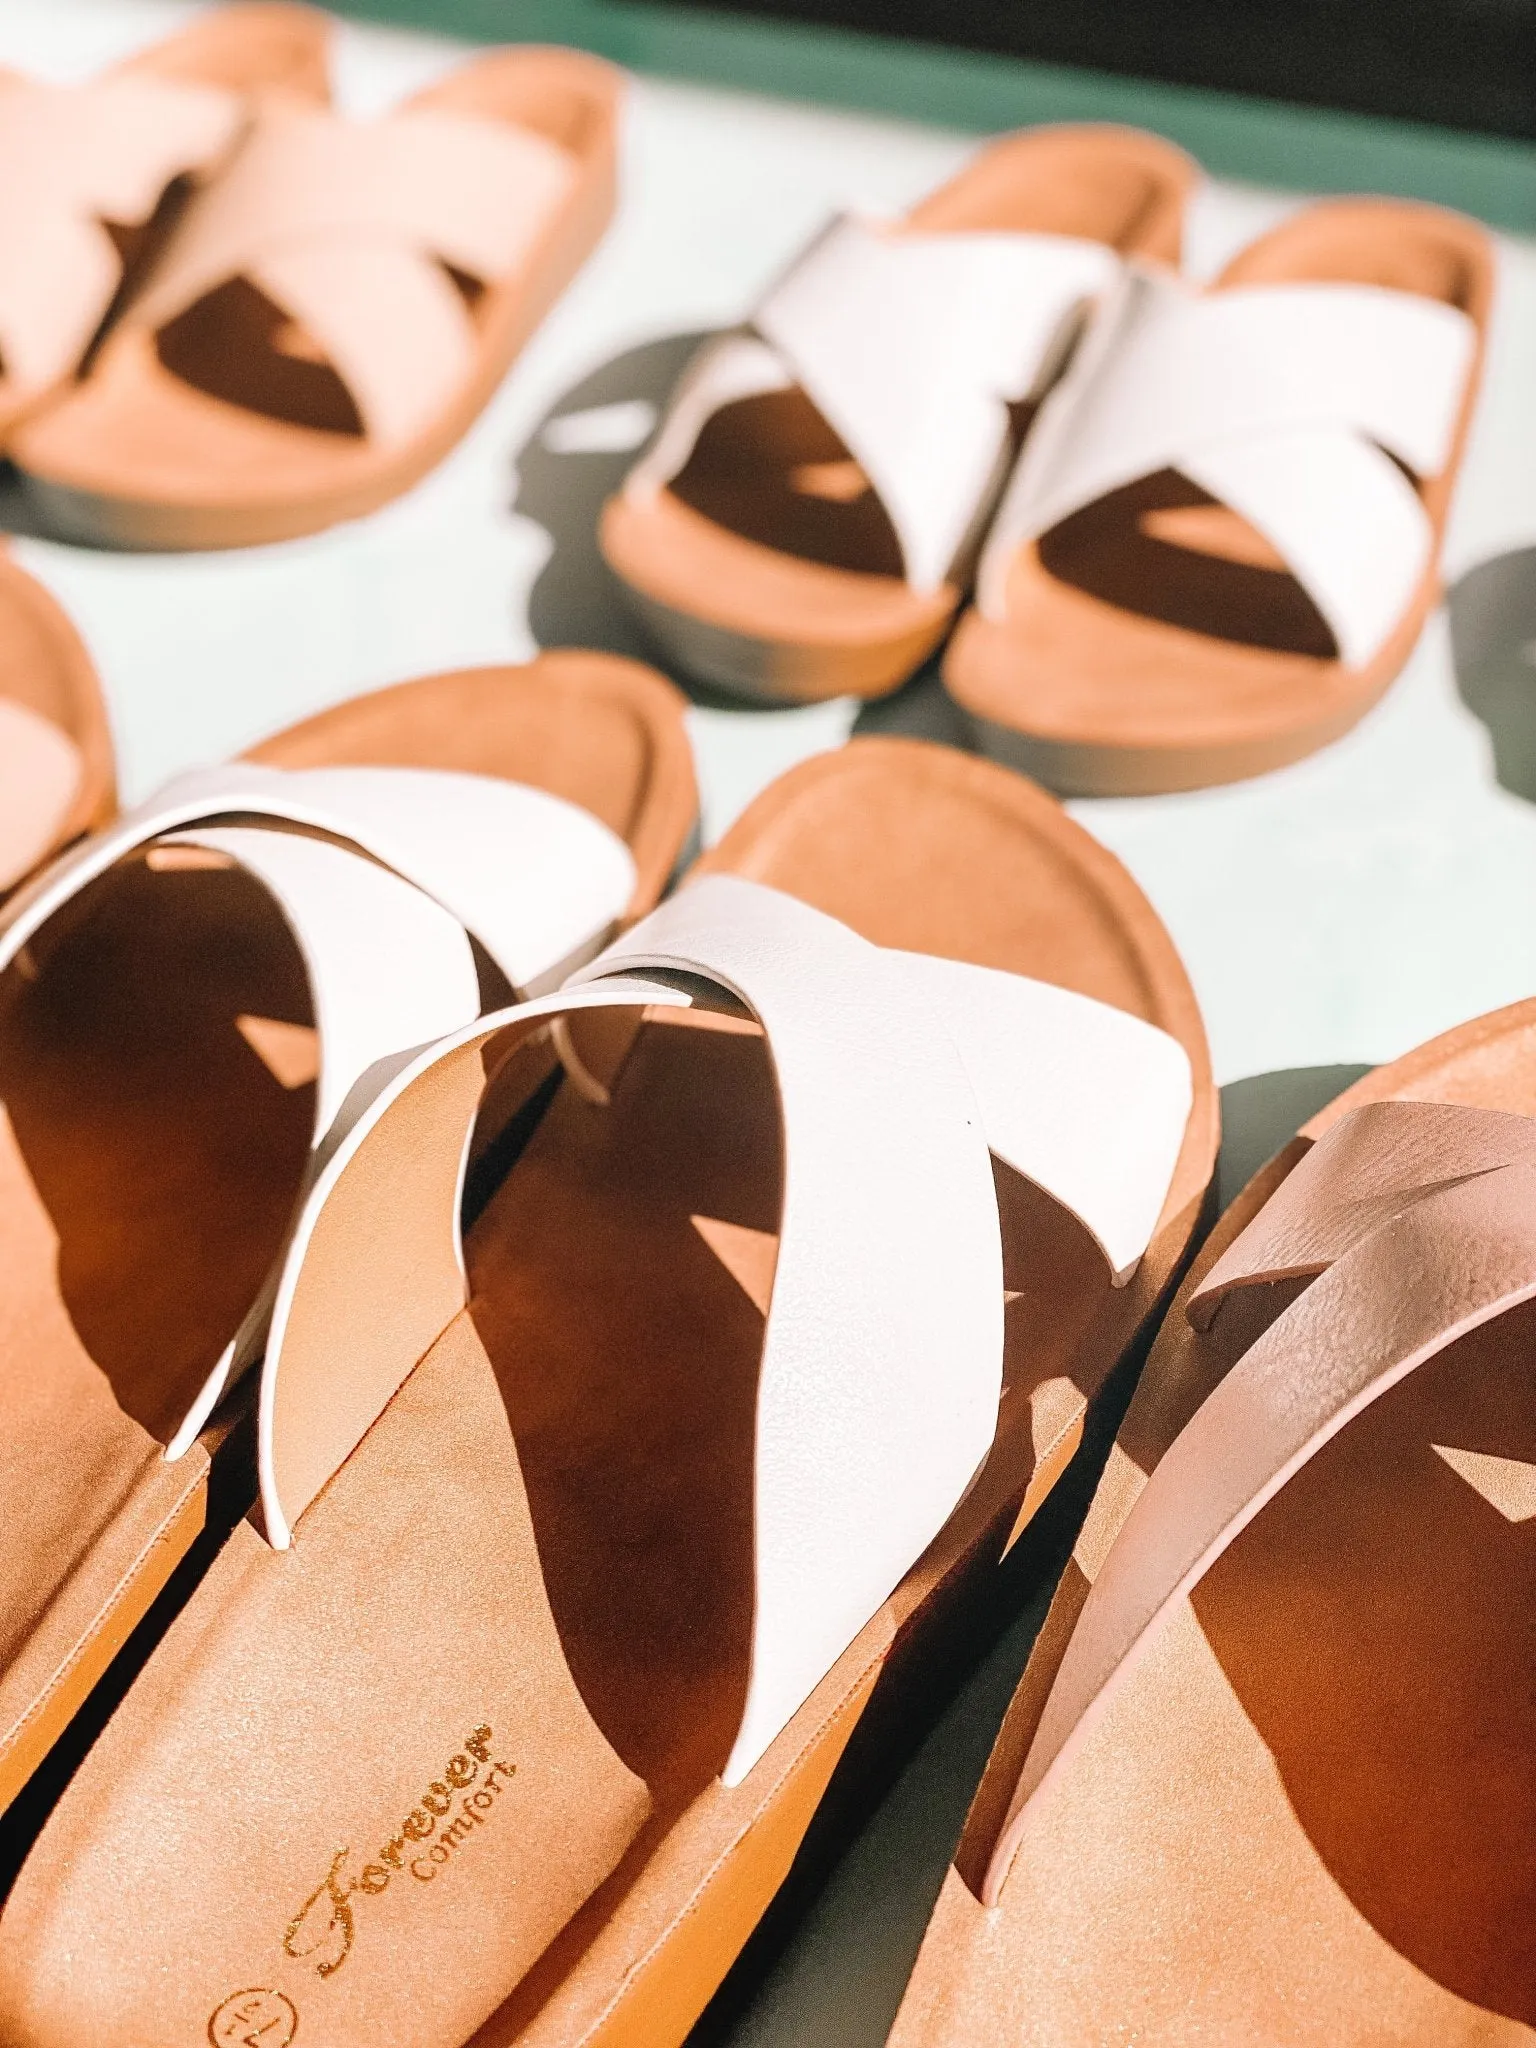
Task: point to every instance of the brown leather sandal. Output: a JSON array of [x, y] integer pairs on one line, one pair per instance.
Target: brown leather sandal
[[56, 773], [807, 521], [91, 176], [192, 1004], [335, 310], [1223, 536], [572, 1581], [1268, 1774]]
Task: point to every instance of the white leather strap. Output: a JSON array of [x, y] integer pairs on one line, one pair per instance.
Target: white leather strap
[[883, 1343], [911, 347], [387, 967], [538, 881], [388, 970], [1085, 1100], [71, 159], [1286, 402], [882, 1354], [377, 1243]]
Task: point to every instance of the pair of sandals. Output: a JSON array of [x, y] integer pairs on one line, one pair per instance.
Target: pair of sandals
[[809, 1215], [1202, 526], [229, 315]]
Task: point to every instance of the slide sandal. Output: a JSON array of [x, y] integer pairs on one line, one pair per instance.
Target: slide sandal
[[192, 1004], [56, 773], [806, 521], [1223, 535], [1268, 1775], [91, 175], [335, 310], [581, 1551]]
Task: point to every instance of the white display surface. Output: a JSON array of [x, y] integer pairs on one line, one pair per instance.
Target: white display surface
[[1337, 911]]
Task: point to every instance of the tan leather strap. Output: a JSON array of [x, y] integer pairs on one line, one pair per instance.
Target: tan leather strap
[[349, 226], [71, 159], [1377, 1162], [1431, 1268]]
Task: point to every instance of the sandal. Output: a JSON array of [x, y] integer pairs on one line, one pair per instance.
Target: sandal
[[1268, 1774], [91, 175], [562, 1606], [56, 773], [335, 310], [1223, 537], [806, 521], [192, 1006]]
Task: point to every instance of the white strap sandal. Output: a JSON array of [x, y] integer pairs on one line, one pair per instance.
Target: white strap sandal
[[196, 1002], [1222, 538], [782, 1323], [807, 519]]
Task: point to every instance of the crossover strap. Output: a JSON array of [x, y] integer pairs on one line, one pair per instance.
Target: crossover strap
[[1373, 1165], [1299, 406], [352, 227], [882, 1348], [882, 1351], [73, 158], [1433, 1267], [911, 346], [538, 881]]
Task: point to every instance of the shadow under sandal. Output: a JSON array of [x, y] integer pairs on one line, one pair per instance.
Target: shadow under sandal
[[91, 175], [1269, 1771], [56, 772], [192, 1006], [573, 1579], [335, 310], [807, 520], [1223, 536]]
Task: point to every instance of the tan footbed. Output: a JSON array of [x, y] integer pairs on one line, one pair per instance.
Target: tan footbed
[[1155, 641], [533, 1576], [768, 565], [139, 457], [256, 47], [156, 1112], [56, 774], [1309, 1815]]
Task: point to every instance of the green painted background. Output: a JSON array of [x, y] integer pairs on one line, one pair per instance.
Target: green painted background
[[1259, 141]]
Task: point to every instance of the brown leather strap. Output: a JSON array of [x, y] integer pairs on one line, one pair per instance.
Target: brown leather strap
[[1429, 1268]]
